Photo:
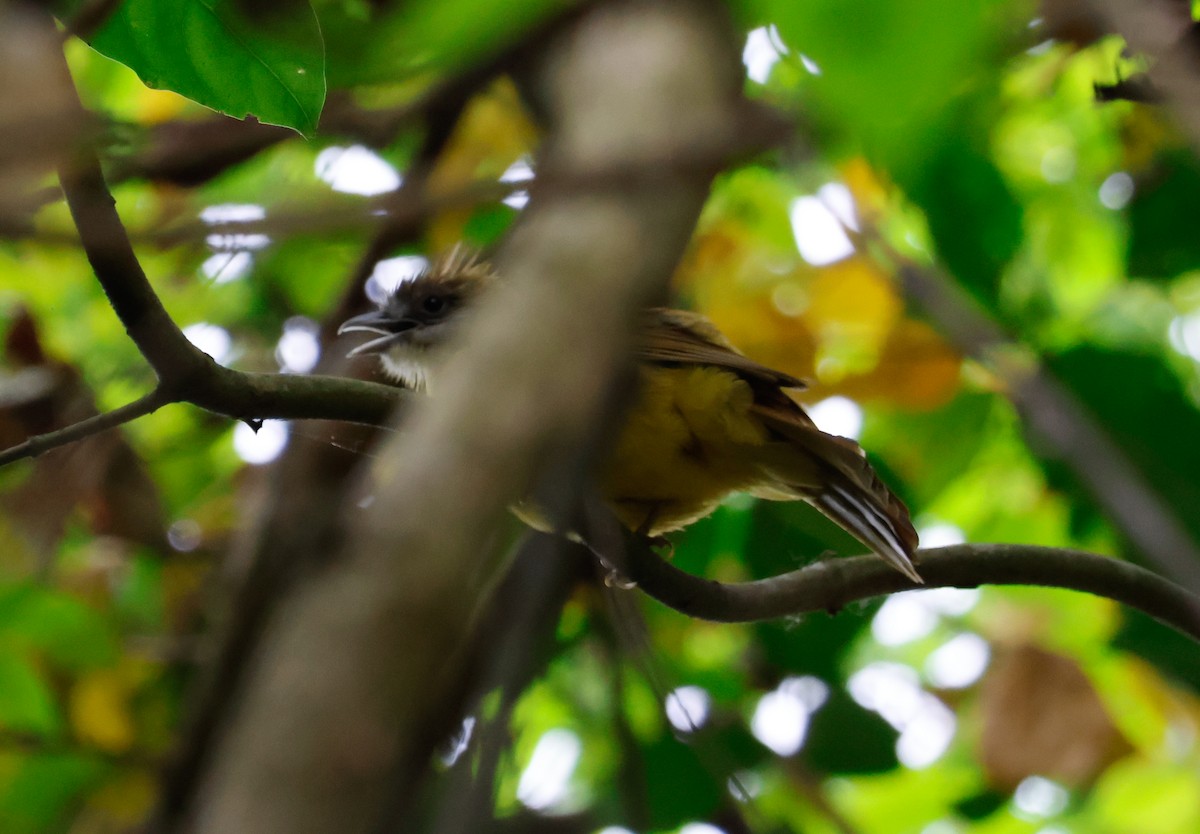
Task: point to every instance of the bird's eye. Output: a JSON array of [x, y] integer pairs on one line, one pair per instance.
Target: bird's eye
[[433, 304]]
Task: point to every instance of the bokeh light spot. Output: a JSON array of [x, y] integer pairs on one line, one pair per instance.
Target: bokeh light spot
[[210, 338], [838, 415], [356, 170], [687, 708], [298, 350], [760, 54], [959, 662], [391, 273], [1116, 191], [546, 778], [818, 232], [262, 446]]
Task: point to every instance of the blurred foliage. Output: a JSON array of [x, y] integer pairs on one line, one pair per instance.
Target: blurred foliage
[[970, 139]]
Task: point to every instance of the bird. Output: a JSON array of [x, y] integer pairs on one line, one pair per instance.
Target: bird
[[706, 421]]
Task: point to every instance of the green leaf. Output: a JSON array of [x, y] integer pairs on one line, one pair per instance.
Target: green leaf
[[680, 788], [271, 67], [816, 643], [1174, 655], [974, 218], [139, 599], [42, 791], [69, 632], [981, 805], [1143, 407], [920, 439], [888, 69], [26, 703], [1150, 797], [488, 224], [846, 738], [1162, 238], [381, 45]]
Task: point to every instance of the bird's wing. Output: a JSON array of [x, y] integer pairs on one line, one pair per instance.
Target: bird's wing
[[846, 489], [803, 462], [676, 337]]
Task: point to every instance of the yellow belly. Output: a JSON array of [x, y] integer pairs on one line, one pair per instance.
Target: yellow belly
[[683, 448]]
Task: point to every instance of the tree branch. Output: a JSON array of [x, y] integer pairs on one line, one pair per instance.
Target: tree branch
[[38, 444], [299, 509], [185, 373], [251, 397], [834, 583], [324, 752], [1164, 31], [175, 360], [1066, 428]]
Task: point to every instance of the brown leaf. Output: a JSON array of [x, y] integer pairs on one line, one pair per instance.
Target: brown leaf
[[1041, 716], [101, 474]]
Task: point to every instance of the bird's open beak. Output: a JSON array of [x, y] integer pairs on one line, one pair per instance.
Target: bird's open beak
[[389, 330]]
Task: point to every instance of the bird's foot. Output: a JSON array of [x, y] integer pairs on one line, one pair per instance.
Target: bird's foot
[[661, 545]]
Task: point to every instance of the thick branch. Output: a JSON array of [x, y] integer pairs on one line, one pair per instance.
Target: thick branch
[[301, 509], [387, 628], [834, 583], [256, 396]]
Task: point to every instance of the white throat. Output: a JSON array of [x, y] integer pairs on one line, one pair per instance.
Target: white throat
[[408, 364]]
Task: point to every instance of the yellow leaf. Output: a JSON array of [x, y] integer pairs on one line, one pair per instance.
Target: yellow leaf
[[1145, 133], [870, 194], [841, 327], [917, 369], [852, 308], [493, 132], [99, 710], [127, 799], [1145, 796], [157, 106]]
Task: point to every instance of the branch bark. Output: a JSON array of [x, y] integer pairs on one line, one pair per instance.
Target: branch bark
[[834, 583]]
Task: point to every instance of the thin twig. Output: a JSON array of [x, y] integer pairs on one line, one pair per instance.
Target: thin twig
[[39, 444], [251, 397], [834, 583]]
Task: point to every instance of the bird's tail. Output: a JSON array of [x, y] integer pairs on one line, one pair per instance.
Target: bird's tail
[[883, 527], [832, 474]]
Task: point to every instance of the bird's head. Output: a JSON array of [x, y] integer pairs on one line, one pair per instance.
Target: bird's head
[[420, 316]]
